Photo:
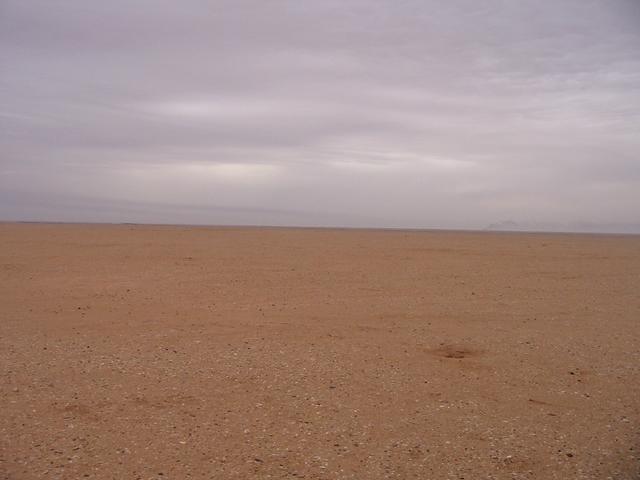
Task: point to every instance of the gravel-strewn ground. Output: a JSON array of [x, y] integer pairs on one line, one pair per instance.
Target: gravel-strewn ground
[[131, 352]]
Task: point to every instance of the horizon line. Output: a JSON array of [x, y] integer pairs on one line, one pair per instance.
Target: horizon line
[[321, 227]]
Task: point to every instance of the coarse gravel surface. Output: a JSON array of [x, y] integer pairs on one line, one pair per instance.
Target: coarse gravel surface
[[165, 352]]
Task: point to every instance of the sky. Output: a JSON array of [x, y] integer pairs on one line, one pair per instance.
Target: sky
[[401, 114]]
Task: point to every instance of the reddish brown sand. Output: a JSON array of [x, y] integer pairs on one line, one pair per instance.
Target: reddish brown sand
[[131, 352]]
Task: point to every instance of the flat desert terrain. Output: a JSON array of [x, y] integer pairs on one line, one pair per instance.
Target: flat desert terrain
[[158, 352]]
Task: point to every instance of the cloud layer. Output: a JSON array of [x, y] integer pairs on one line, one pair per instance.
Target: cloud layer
[[415, 114]]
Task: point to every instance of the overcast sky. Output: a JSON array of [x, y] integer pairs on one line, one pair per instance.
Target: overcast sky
[[422, 114]]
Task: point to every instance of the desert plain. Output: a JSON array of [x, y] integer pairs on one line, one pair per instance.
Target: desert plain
[[168, 352]]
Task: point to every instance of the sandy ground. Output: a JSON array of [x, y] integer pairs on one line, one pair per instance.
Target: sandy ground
[[130, 352]]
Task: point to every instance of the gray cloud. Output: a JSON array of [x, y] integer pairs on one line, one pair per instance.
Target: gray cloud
[[451, 114]]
